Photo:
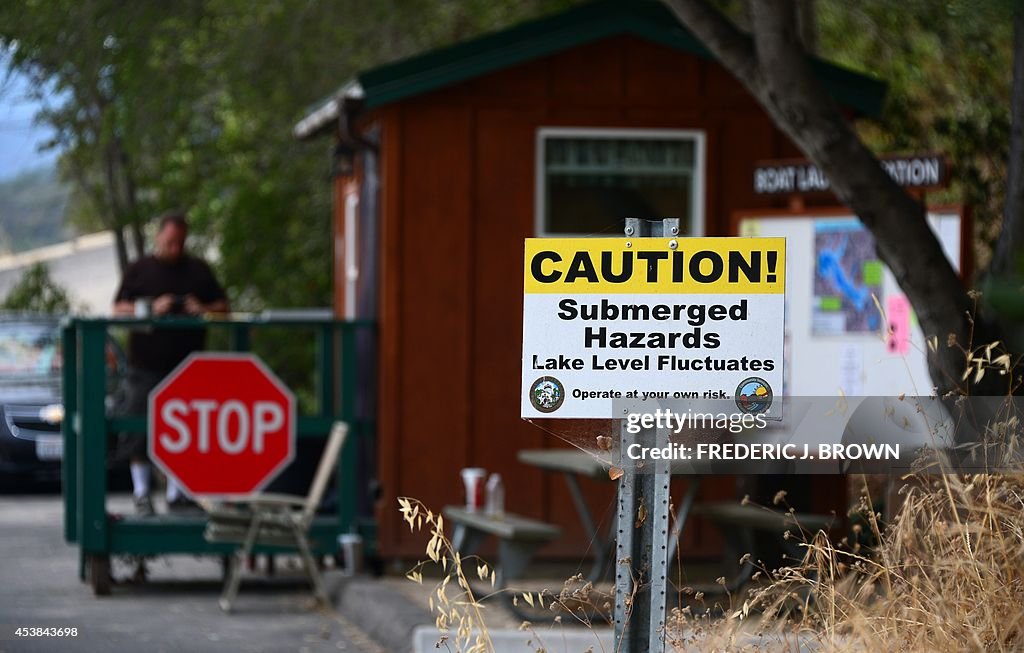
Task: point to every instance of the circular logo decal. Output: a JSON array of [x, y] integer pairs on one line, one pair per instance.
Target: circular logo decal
[[753, 395], [547, 394]]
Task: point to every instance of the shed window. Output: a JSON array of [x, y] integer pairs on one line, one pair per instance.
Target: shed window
[[590, 180]]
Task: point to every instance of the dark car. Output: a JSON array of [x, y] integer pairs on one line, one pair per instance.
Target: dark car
[[31, 409]]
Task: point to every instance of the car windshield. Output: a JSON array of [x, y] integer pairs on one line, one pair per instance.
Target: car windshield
[[29, 349]]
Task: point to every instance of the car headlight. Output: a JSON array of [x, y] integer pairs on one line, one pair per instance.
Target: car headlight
[[52, 414]]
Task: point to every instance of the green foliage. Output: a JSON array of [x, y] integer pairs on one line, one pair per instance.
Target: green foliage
[[263, 196], [191, 104], [948, 69], [36, 292]]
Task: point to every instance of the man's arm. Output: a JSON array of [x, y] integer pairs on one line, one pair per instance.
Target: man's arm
[[209, 296]]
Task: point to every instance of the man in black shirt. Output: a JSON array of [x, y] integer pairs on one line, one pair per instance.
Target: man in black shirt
[[169, 282]]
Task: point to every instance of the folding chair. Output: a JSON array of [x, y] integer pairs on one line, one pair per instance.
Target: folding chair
[[274, 520]]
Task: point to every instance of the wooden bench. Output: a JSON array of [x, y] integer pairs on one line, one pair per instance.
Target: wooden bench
[[518, 538], [761, 519], [738, 523]]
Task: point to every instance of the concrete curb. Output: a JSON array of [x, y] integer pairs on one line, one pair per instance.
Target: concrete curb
[[386, 615]]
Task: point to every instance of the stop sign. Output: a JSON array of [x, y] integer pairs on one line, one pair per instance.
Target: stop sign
[[221, 424]]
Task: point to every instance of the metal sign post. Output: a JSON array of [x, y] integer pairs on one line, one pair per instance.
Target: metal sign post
[[641, 522]]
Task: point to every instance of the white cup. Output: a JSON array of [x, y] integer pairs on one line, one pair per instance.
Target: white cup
[[474, 479], [351, 545]]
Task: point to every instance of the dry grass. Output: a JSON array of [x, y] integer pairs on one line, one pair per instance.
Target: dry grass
[[947, 576], [457, 610], [460, 612]]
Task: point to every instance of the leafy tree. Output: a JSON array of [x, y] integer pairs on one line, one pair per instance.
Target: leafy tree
[[947, 90], [83, 53], [36, 292], [190, 104], [772, 63]]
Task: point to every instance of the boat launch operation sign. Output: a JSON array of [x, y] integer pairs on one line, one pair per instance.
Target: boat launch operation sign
[[651, 318]]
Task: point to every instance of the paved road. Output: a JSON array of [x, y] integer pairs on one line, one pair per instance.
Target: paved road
[[175, 611]]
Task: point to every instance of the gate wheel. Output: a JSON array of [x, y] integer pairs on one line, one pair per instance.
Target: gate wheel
[[99, 574]]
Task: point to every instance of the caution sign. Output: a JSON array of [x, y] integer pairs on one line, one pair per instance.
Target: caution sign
[[651, 318]]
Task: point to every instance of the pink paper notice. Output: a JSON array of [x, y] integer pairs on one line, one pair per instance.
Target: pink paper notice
[[898, 311]]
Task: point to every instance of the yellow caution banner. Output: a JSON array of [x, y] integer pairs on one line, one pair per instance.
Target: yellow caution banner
[[724, 266]]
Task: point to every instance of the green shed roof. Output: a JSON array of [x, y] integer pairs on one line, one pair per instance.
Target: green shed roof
[[646, 19]]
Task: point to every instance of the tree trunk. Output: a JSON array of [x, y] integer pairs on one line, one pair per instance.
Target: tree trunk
[[119, 216], [101, 202], [773, 67], [122, 248], [130, 200]]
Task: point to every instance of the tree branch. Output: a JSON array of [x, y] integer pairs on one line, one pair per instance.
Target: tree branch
[[731, 47], [777, 74]]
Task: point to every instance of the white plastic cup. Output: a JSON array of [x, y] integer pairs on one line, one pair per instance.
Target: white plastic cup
[[142, 308], [351, 546], [474, 478]]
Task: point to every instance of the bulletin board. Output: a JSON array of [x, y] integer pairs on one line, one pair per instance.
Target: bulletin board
[[836, 339]]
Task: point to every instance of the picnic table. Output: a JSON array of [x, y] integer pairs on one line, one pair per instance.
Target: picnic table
[[573, 464], [737, 522]]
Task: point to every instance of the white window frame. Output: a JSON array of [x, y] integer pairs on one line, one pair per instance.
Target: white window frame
[[611, 133]]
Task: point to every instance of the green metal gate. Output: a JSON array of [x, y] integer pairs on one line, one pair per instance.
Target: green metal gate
[[87, 428]]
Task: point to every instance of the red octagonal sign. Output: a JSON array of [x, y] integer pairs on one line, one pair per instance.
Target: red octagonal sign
[[221, 424]]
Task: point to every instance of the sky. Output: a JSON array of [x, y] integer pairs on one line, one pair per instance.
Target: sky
[[19, 136]]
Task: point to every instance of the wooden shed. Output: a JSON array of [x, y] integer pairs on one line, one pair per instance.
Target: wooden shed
[[446, 161]]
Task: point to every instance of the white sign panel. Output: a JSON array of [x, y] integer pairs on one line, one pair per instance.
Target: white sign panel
[[651, 318]]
